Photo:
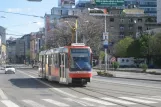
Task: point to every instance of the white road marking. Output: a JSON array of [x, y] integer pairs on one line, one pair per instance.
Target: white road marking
[[157, 96], [51, 87], [138, 100], [3, 96], [98, 101], [132, 84], [55, 102], [9, 103], [32, 103], [118, 101], [79, 102], [157, 99]]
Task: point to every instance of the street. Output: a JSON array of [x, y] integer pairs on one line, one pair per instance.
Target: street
[[26, 89]]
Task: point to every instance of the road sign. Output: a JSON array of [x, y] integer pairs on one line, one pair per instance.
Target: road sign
[[109, 2], [105, 35], [113, 59], [105, 44]]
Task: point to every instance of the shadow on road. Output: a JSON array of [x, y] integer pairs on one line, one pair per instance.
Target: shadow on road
[[27, 83], [33, 83]]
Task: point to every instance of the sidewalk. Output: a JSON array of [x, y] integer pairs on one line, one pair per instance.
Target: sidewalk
[[132, 75]]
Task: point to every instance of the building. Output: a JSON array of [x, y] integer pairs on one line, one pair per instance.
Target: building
[[20, 50], [11, 51], [2, 45], [127, 22], [26, 39], [81, 4], [149, 6], [158, 11], [57, 13], [36, 44]]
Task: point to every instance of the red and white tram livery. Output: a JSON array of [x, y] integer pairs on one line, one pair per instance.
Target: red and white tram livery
[[67, 65]]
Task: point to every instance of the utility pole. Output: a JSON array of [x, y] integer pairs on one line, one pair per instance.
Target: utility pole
[[105, 37]]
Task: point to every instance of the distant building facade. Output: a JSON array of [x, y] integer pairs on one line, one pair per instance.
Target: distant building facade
[[11, 51], [158, 11], [37, 43], [2, 45], [127, 22]]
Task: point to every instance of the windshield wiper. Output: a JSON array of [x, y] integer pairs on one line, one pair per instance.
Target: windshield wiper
[[78, 65]]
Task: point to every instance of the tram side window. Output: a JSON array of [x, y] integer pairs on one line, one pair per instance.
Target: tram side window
[[46, 59], [66, 60], [49, 59], [56, 60], [42, 60], [54, 56]]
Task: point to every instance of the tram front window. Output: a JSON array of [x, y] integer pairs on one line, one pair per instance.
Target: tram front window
[[80, 60]]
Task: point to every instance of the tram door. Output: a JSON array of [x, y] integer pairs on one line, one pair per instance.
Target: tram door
[[62, 68]]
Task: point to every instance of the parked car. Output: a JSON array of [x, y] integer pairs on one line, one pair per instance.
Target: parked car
[[10, 69]]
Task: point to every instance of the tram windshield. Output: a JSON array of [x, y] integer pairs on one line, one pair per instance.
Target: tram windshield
[[80, 60]]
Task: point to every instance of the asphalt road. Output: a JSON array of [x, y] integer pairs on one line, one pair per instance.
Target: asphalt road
[[25, 89]]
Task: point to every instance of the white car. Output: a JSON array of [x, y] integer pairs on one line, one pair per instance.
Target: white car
[[10, 69]]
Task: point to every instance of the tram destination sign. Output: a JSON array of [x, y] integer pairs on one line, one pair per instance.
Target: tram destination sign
[[109, 2]]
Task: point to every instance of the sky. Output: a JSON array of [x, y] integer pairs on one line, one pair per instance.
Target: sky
[[20, 25]]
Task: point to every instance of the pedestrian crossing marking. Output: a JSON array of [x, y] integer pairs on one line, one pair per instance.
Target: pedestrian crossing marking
[[156, 99], [79, 102], [9, 103], [118, 101], [55, 102], [138, 100], [32, 103], [3, 96], [87, 101], [98, 101]]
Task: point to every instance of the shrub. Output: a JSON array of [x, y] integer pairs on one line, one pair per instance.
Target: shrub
[[144, 67], [115, 65], [108, 74]]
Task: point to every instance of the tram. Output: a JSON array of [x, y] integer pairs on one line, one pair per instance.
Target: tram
[[67, 65]]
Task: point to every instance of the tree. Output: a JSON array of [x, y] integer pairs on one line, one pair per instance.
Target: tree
[[120, 48], [155, 49], [134, 49], [90, 30]]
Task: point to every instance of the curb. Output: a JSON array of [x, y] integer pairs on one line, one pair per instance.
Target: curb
[[132, 78]]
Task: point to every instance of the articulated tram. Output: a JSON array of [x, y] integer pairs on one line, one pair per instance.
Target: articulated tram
[[67, 65]]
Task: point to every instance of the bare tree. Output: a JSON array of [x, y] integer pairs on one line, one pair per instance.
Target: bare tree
[[90, 30]]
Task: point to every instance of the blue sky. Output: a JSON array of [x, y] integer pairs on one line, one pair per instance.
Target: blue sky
[[17, 24]]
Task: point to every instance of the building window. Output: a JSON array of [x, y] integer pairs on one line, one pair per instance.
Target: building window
[[131, 20], [121, 27], [61, 12], [111, 27], [121, 20], [131, 33], [73, 12], [139, 20], [111, 19], [140, 28], [121, 34], [130, 27]]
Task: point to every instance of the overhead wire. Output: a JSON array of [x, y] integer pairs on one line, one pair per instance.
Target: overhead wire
[[21, 14]]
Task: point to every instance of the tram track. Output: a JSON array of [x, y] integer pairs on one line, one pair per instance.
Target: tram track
[[83, 92]]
